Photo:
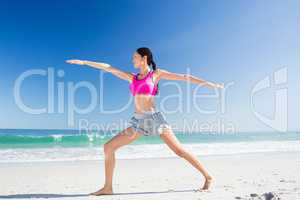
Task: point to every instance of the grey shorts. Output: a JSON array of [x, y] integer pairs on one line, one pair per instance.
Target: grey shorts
[[149, 123]]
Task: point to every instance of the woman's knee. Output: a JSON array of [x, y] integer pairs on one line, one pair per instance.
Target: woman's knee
[[108, 149], [180, 152]]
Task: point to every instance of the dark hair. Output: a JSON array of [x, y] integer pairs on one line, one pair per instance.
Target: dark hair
[[144, 51]]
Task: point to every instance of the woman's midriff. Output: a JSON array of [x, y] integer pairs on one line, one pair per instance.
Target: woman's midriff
[[144, 103]]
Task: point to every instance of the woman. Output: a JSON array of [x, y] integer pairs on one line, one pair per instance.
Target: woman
[[146, 120]]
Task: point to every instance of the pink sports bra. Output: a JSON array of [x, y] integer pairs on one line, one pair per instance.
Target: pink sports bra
[[144, 85]]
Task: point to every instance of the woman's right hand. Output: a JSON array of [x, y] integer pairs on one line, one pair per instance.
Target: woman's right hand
[[76, 62]]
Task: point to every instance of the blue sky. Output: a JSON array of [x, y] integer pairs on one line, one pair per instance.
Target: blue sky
[[221, 41]]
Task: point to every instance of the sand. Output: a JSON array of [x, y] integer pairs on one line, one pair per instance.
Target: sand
[[240, 176]]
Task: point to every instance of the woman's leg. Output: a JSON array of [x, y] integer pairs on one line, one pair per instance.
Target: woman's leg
[[125, 137], [171, 140]]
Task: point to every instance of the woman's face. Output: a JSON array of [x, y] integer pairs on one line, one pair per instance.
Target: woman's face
[[138, 60]]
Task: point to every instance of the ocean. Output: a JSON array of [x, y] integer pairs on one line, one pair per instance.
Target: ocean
[[27, 145]]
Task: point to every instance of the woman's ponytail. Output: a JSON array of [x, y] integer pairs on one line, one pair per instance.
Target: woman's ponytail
[[153, 64]]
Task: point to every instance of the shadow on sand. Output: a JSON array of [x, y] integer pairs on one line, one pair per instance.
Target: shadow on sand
[[26, 196]]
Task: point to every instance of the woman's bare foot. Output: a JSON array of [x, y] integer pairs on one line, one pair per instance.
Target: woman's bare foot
[[207, 183], [102, 191]]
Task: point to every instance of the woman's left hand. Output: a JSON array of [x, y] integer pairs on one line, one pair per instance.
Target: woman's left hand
[[221, 86]]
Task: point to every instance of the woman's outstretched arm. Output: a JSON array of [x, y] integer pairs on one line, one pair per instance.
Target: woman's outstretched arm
[[104, 66], [164, 74]]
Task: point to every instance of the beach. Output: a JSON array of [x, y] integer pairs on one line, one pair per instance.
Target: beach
[[238, 176], [209, 81]]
